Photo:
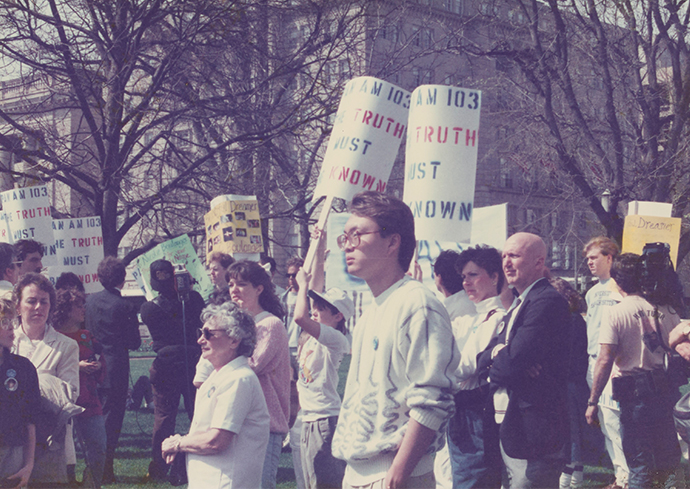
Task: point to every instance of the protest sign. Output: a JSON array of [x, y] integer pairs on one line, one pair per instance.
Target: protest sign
[[639, 230], [77, 248], [234, 226], [366, 136], [646, 208], [441, 161], [178, 251], [26, 215]]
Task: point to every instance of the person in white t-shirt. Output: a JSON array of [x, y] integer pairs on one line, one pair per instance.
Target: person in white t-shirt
[[599, 253], [227, 439], [319, 358]]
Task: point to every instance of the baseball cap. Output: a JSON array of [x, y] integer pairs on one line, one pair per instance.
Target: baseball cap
[[338, 299]]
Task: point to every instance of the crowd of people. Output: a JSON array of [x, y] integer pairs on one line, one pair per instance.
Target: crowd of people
[[492, 387]]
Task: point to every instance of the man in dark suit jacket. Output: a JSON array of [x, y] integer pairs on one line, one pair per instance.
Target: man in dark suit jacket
[[113, 322], [527, 367]]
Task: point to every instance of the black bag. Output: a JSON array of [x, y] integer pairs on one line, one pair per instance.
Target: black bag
[[681, 417]]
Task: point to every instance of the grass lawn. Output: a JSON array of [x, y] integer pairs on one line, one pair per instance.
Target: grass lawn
[[134, 452]]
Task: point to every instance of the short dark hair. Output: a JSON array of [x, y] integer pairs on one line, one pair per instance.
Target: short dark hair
[[6, 257], [69, 280], [321, 304], [224, 259], [625, 270], [267, 259], [294, 261], [484, 257], [392, 216], [64, 301], [444, 267], [111, 272], [24, 247], [38, 280]]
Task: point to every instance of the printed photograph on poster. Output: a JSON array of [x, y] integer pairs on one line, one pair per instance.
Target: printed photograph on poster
[[234, 226]]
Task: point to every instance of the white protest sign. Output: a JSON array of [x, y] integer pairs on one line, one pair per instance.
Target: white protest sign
[[78, 248], [366, 136], [441, 161], [27, 216]]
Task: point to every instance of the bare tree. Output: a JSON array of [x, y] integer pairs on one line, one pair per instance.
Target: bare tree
[[146, 109], [608, 82]]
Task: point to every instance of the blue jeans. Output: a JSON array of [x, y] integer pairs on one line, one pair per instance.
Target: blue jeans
[[473, 444], [650, 442], [272, 460], [91, 431]]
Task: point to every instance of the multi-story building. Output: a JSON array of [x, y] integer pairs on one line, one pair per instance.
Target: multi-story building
[[406, 43]]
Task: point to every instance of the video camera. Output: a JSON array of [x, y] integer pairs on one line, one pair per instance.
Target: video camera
[[183, 282]]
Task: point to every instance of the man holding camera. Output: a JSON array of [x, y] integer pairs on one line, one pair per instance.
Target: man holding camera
[[172, 318], [635, 337]]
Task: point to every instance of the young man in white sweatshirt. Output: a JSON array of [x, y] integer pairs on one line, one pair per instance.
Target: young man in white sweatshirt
[[398, 393]]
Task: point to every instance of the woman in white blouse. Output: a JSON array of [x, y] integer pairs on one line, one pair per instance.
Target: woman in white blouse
[[227, 440], [473, 435], [52, 353]]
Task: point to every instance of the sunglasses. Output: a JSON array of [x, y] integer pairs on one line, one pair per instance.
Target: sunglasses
[[206, 333], [290, 275]]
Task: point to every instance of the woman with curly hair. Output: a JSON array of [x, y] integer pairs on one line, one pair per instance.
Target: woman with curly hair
[[227, 440], [69, 320]]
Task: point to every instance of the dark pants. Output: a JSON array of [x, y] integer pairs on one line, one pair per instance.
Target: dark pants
[[167, 389], [578, 393], [473, 441], [649, 437], [114, 400]]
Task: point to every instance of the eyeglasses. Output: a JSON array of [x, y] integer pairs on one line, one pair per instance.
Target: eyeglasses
[[206, 333], [354, 238], [291, 275]]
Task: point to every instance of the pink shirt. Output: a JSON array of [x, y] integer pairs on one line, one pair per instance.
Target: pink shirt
[[271, 363]]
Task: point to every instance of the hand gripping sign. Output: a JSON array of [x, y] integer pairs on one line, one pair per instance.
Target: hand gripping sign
[[441, 161]]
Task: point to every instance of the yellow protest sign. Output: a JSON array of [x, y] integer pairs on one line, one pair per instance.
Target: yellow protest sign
[[639, 230], [234, 226]]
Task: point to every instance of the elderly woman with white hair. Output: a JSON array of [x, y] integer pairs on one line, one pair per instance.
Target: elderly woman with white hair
[[227, 440]]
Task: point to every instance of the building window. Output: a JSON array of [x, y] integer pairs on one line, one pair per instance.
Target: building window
[[454, 6], [390, 32], [506, 174], [344, 67], [422, 37], [421, 76], [183, 138]]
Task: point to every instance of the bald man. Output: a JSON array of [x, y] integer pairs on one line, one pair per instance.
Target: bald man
[[527, 367]]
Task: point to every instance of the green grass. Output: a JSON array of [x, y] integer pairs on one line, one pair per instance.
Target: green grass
[[134, 452]]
